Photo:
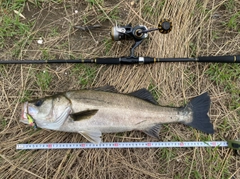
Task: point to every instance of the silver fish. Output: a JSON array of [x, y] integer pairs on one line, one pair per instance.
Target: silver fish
[[103, 110]]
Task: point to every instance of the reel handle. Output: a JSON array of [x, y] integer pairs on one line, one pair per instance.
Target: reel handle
[[165, 26]]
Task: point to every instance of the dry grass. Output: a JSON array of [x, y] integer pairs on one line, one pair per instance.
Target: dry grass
[[194, 33]]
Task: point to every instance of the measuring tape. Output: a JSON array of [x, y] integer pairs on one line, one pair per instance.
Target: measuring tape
[[231, 144]]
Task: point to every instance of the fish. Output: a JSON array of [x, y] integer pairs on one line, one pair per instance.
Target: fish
[[92, 112]]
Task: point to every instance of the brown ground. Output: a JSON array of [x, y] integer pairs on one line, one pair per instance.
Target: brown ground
[[194, 27]]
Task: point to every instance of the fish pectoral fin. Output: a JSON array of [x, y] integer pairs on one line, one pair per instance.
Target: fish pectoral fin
[[93, 136], [145, 95], [153, 131], [87, 114]]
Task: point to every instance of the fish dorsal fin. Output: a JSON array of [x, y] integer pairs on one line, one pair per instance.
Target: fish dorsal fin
[[106, 88], [145, 95], [153, 131], [92, 135], [87, 114]]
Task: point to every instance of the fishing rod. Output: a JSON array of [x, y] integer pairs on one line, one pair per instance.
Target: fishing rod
[[138, 34]]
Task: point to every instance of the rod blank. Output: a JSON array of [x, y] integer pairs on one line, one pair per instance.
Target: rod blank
[[131, 60]]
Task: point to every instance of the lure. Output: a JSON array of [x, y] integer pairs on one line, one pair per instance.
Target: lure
[[31, 121]]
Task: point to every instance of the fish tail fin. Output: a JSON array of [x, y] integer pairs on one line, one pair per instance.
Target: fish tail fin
[[199, 108]]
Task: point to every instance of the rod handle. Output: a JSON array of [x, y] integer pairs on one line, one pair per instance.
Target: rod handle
[[220, 59]]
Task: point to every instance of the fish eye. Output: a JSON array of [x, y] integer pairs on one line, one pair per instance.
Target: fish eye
[[38, 103]]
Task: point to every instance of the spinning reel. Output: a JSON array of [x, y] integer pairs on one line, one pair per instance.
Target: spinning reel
[[138, 33]]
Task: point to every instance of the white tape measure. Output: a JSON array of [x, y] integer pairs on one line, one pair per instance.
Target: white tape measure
[[122, 145]]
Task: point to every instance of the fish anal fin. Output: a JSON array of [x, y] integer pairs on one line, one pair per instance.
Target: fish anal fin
[[145, 95], [93, 135], [153, 131], [87, 114]]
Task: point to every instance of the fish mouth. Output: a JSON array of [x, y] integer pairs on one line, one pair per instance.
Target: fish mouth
[[23, 117]]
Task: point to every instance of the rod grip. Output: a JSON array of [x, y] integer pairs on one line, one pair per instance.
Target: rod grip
[[107, 61], [220, 59]]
